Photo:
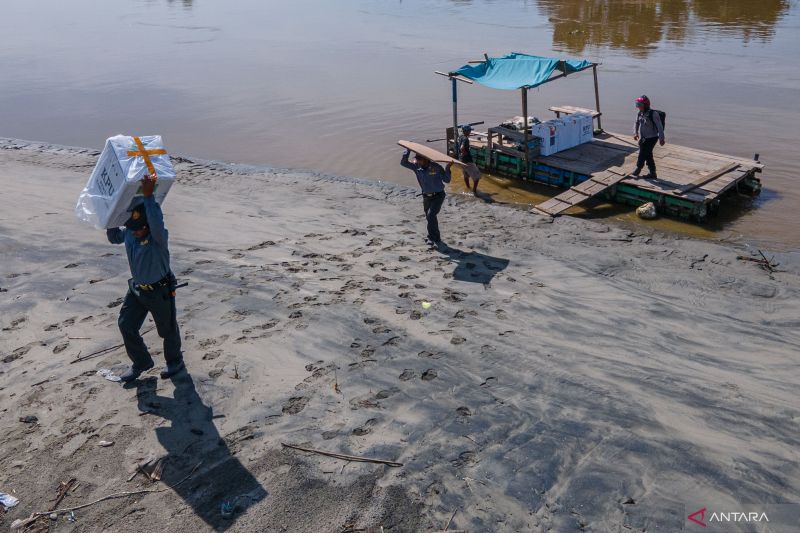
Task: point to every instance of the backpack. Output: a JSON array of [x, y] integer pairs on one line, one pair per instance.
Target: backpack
[[662, 115]]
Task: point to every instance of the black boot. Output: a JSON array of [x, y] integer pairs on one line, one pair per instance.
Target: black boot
[[133, 373], [636, 172], [171, 370]]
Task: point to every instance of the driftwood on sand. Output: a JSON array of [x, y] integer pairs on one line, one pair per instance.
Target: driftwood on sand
[[22, 522], [343, 456]]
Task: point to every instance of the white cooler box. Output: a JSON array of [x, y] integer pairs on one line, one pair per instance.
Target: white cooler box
[[548, 134], [113, 189], [586, 127]]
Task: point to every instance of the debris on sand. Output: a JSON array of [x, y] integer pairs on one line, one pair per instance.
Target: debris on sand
[[108, 374], [7, 500]]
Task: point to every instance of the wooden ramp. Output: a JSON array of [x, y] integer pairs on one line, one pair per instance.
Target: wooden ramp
[[573, 196]]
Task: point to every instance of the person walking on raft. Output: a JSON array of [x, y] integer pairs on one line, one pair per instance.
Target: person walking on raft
[[648, 130], [431, 178]]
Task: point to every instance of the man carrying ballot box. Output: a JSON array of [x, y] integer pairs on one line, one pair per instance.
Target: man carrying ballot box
[[151, 288]]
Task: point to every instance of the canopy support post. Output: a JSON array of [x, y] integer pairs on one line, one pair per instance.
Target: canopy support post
[[525, 129], [455, 117], [597, 98]]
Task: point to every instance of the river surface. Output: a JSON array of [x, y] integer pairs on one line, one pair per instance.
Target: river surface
[[332, 85]]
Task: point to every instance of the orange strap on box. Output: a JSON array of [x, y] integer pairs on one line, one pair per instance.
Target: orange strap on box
[[145, 154]]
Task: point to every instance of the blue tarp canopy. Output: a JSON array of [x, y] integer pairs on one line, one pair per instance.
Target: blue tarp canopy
[[516, 70]]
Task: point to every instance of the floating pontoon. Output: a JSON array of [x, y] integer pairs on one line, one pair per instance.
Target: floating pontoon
[[691, 183]]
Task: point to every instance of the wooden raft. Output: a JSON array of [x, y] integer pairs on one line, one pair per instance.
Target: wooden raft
[[573, 196]]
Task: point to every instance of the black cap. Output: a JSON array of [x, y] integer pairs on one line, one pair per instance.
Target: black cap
[[138, 219]]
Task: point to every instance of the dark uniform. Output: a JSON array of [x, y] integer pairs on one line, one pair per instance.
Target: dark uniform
[[151, 289], [431, 180]]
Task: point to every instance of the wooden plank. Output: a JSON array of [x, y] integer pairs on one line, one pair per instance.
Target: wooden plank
[[511, 134], [694, 155], [727, 181], [568, 110], [553, 206], [707, 178], [428, 152], [580, 193]]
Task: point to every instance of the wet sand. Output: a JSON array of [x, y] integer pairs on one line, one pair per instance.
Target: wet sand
[[569, 374]]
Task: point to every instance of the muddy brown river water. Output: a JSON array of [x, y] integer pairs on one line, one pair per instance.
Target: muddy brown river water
[[332, 85]]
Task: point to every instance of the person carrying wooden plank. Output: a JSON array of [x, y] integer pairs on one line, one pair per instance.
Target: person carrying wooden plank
[[431, 178], [648, 130]]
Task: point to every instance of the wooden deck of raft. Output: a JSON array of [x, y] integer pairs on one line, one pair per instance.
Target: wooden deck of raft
[[696, 175]]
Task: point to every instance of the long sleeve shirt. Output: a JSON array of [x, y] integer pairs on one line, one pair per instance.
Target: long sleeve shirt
[[648, 125], [431, 178], [465, 156], [148, 258]]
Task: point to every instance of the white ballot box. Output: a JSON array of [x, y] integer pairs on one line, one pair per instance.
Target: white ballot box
[[114, 187]]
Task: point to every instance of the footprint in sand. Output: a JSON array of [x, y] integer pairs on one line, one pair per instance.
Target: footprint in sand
[[15, 324], [16, 354], [407, 375], [296, 314], [465, 459], [415, 315], [87, 318], [115, 303], [458, 340], [210, 356], [382, 395], [463, 412], [207, 343], [60, 347], [368, 351], [294, 405], [393, 341], [453, 296], [491, 380], [365, 428], [429, 375]]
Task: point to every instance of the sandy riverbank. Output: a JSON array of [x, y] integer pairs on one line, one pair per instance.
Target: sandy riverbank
[[568, 376]]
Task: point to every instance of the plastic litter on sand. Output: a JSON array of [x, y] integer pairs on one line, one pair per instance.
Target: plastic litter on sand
[[108, 374]]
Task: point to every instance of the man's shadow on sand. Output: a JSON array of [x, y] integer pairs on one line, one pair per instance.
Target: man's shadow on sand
[[474, 267], [221, 485]]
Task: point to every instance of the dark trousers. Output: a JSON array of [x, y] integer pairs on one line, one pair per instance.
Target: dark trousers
[[432, 204], [646, 154], [161, 305]]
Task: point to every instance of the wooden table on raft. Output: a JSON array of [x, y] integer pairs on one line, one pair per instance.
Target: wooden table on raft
[[429, 153], [569, 109]]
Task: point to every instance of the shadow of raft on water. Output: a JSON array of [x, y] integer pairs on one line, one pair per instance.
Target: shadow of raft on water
[[192, 437]]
